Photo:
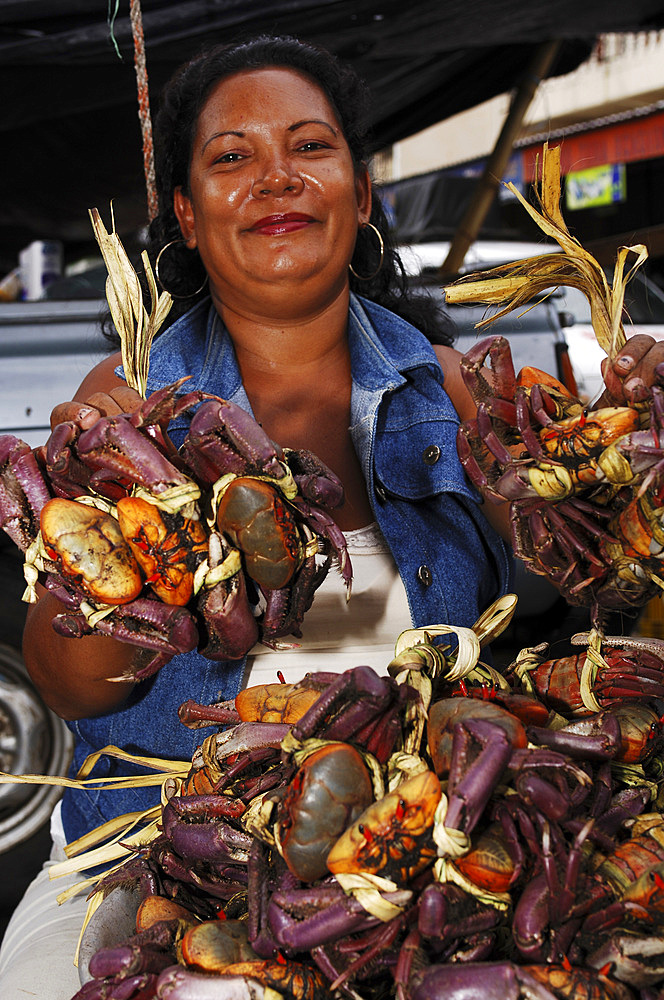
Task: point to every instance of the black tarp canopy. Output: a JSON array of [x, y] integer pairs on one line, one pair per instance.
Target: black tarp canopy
[[69, 126]]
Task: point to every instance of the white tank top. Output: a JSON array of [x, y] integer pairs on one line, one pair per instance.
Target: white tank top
[[337, 634]]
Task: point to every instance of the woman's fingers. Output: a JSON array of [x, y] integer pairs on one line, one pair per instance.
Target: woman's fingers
[[72, 412], [634, 370], [120, 399]]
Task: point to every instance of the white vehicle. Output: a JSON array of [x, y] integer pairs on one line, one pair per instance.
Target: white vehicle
[[535, 332], [644, 312]]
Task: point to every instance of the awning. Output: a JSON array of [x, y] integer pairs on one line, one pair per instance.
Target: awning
[[68, 119], [636, 137]]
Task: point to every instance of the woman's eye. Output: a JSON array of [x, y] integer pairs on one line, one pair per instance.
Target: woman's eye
[[228, 158], [312, 146]]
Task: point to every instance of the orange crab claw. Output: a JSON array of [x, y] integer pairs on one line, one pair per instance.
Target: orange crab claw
[[168, 547], [87, 546]]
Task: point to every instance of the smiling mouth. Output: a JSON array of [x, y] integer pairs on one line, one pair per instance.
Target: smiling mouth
[[277, 224]]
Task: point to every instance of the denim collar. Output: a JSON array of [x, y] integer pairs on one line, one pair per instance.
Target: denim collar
[[382, 348]]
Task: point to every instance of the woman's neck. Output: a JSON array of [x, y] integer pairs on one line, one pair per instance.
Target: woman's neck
[[292, 340], [297, 377]]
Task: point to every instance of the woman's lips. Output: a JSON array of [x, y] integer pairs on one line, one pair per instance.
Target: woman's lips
[[274, 225]]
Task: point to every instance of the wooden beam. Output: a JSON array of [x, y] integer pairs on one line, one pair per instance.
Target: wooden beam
[[487, 186]]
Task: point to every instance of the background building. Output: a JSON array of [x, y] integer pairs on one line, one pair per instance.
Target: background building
[[608, 117]]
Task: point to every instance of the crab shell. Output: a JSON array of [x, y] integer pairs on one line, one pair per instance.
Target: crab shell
[[388, 838], [253, 514], [328, 793], [446, 713], [214, 944], [87, 546], [167, 547], [275, 702]]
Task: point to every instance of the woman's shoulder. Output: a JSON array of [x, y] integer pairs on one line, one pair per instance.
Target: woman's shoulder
[[450, 362], [101, 378]]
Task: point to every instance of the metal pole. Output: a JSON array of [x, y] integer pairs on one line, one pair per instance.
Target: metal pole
[[487, 186]]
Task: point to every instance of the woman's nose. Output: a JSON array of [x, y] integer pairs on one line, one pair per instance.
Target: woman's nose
[[277, 178]]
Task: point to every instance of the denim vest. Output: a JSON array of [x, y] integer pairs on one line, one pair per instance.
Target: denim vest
[[403, 425]]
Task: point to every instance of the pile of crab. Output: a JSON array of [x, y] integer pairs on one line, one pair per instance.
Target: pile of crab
[[586, 488], [438, 833], [216, 545]]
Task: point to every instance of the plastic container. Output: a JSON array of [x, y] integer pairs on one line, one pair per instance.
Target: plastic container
[[40, 264]]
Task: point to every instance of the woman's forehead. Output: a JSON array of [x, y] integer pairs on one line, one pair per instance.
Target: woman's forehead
[[289, 90]]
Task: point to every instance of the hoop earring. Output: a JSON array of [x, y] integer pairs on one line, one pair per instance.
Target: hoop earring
[[190, 295], [370, 225]]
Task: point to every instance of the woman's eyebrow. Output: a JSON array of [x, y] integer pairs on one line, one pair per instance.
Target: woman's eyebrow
[[312, 121], [217, 135], [291, 128]]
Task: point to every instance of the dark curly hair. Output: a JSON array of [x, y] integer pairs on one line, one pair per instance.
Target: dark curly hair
[[181, 102]]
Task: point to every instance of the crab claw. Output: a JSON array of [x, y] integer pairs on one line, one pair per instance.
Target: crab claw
[[503, 378], [114, 448], [315, 481], [229, 627], [225, 438], [23, 492], [323, 525], [68, 476], [168, 630]]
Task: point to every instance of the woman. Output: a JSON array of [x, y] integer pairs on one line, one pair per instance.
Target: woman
[[261, 162], [260, 183]]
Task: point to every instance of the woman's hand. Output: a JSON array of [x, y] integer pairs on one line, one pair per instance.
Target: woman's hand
[[632, 373]]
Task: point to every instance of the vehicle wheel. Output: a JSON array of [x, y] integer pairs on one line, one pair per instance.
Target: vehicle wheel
[[32, 741]]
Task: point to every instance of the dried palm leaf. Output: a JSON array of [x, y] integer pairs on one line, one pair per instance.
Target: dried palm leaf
[[135, 325], [513, 285]]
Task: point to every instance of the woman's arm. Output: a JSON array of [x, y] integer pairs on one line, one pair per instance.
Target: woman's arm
[[72, 674]]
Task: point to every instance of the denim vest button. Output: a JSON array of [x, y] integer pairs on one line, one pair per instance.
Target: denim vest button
[[381, 492], [431, 454], [424, 575]]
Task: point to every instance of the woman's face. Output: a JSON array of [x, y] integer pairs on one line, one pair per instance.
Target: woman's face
[[274, 201]]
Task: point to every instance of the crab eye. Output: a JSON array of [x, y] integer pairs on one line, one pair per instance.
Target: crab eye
[[366, 833]]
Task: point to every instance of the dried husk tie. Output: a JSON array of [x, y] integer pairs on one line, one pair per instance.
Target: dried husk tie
[[514, 285], [135, 325]]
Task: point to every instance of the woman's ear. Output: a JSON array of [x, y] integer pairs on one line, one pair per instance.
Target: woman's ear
[[184, 213], [363, 194]]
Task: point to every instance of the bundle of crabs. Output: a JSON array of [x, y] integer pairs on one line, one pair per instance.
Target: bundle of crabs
[[438, 833], [215, 546], [585, 487]]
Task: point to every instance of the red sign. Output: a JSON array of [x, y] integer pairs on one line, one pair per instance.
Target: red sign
[[638, 139]]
